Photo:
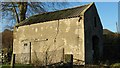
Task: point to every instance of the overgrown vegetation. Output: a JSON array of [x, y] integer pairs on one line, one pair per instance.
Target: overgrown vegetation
[[116, 65], [111, 47]]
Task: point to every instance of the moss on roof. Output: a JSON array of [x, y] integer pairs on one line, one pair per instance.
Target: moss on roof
[[56, 15]]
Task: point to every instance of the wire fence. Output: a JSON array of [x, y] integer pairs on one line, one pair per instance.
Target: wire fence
[[40, 58]]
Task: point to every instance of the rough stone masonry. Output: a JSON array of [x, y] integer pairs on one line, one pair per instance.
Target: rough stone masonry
[[78, 30]]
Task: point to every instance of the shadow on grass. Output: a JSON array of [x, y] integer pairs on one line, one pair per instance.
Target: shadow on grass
[[16, 66], [116, 65]]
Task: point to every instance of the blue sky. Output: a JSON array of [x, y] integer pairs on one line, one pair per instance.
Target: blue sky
[[108, 12]]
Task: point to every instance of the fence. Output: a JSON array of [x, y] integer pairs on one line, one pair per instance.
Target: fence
[[40, 58]]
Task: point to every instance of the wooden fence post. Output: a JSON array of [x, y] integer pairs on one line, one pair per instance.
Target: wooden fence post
[[69, 60], [13, 61], [30, 54], [63, 56], [46, 58]]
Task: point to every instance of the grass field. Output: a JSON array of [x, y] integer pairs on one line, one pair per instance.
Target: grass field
[[16, 66], [116, 65]]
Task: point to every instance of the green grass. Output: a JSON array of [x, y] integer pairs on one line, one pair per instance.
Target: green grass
[[17, 66], [116, 65]]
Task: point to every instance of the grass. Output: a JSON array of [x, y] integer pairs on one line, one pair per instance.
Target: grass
[[116, 65], [16, 66]]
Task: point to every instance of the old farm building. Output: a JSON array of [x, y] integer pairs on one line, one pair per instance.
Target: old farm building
[[50, 36]]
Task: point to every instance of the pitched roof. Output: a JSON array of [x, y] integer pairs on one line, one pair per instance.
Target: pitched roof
[[56, 15]]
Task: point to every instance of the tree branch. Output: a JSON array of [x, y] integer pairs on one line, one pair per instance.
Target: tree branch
[[22, 8], [16, 14]]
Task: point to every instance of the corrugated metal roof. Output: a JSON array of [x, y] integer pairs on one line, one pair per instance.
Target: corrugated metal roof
[[56, 15]]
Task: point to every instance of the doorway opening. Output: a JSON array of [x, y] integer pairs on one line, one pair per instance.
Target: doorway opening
[[95, 49]]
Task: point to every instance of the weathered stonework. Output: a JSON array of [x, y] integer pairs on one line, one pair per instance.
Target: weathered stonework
[[93, 28], [58, 34], [75, 35]]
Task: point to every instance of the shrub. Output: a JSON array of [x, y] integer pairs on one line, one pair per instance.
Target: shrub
[[116, 65]]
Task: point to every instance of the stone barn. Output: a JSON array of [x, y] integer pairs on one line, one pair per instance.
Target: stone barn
[[74, 31]]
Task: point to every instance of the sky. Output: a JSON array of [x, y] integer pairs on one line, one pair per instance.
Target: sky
[[119, 16], [108, 13]]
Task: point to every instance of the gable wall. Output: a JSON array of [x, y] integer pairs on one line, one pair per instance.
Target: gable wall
[[90, 31]]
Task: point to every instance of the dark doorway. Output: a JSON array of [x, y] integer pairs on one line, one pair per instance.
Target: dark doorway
[[95, 49]]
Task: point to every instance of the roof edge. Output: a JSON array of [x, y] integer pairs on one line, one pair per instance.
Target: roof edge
[[82, 13]]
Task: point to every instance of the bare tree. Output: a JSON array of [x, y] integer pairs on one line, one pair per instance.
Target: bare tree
[[19, 11]]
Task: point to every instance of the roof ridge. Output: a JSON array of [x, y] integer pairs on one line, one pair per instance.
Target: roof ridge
[[59, 14], [62, 9], [87, 8]]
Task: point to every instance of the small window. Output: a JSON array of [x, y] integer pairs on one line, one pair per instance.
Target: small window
[[25, 44], [95, 22]]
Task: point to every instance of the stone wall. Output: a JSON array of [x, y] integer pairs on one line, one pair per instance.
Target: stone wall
[[93, 28], [50, 36]]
